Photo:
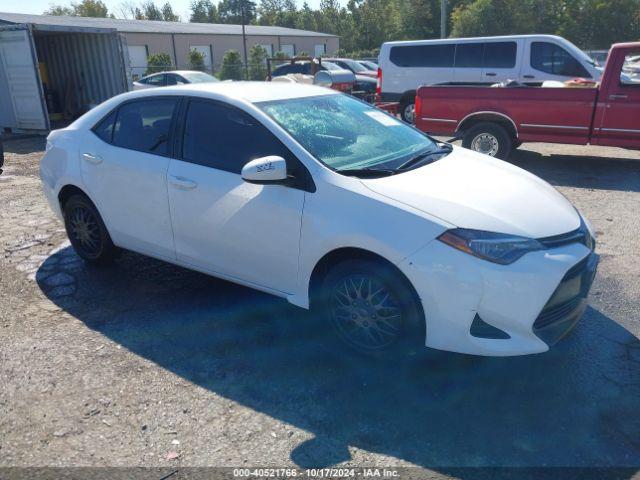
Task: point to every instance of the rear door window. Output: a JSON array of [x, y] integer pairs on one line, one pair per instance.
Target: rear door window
[[500, 54], [145, 125], [551, 58], [469, 55], [435, 55]]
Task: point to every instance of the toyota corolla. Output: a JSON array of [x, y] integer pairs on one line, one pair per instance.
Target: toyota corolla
[[316, 197]]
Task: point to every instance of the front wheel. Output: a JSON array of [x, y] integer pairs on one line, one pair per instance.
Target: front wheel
[[488, 138], [372, 308]]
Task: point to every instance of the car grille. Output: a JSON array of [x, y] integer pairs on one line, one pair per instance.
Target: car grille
[[554, 314], [557, 314], [580, 235]]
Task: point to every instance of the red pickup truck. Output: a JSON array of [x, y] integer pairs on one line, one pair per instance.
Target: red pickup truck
[[494, 120]]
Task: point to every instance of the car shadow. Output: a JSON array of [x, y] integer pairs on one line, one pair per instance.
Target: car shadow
[[23, 144], [575, 406], [581, 171]]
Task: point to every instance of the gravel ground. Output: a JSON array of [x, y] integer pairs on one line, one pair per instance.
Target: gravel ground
[[143, 363]]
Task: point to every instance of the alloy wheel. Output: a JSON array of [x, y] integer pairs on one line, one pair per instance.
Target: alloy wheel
[[365, 312], [85, 231]]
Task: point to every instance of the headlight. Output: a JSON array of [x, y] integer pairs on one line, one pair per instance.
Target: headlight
[[495, 247]]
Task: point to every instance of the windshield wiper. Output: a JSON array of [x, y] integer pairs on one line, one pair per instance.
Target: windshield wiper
[[367, 172], [420, 158]]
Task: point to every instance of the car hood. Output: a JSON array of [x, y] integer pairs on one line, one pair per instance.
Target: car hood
[[471, 190]]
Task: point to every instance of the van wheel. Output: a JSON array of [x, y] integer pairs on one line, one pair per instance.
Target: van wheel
[[408, 111], [87, 232], [372, 308], [488, 138]]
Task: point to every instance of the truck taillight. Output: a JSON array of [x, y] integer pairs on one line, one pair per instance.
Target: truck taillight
[[379, 84], [417, 107]]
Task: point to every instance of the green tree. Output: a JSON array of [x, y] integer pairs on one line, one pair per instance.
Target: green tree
[[196, 60], [59, 10], [150, 11], [306, 19], [257, 63], [91, 8], [168, 15], [158, 62], [85, 8], [203, 11], [233, 11], [231, 68]]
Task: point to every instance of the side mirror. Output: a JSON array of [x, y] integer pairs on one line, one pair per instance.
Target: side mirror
[[265, 170]]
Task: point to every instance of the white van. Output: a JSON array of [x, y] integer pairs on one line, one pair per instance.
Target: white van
[[529, 59]]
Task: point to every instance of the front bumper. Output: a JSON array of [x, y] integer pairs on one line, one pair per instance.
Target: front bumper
[[534, 301]]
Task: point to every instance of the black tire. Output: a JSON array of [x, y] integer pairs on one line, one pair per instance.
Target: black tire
[[87, 232], [405, 106], [368, 321], [481, 138]]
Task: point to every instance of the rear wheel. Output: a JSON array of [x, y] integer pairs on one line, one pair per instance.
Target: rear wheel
[[489, 138], [86, 230], [408, 111], [372, 308]]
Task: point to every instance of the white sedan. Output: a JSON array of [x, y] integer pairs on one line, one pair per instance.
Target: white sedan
[[317, 197], [177, 77]]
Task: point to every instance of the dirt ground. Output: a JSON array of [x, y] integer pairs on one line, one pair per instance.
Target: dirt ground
[[143, 363]]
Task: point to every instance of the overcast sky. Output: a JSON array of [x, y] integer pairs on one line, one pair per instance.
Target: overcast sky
[[181, 7]]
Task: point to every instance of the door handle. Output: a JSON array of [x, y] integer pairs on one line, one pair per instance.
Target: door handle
[[91, 158], [183, 183], [529, 76], [617, 96], [490, 74]]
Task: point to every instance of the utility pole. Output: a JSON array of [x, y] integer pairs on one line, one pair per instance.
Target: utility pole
[[443, 18], [244, 40]]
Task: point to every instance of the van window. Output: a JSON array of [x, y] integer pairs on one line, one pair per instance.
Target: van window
[[144, 125], [435, 55], [499, 55], [551, 58], [469, 55]]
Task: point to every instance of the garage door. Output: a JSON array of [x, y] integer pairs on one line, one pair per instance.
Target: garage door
[[20, 86], [138, 59]]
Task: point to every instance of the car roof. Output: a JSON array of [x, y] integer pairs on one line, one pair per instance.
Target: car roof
[[466, 39], [251, 92], [179, 72]]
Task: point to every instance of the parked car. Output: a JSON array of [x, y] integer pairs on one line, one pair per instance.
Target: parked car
[[369, 65], [363, 84], [528, 59], [354, 66], [177, 77], [495, 120], [316, 197]]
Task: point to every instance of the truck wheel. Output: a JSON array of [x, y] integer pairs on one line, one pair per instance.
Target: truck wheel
[[408, 111], [488, 138]]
